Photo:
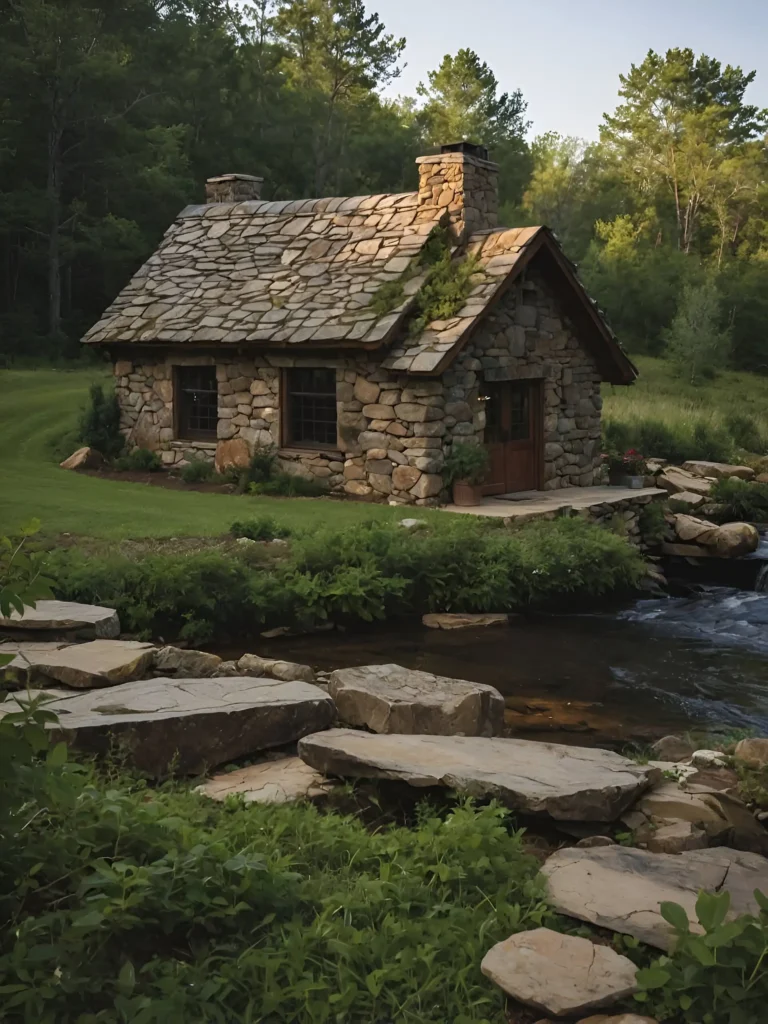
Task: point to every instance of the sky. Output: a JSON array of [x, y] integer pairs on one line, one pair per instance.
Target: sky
[[566, 55]]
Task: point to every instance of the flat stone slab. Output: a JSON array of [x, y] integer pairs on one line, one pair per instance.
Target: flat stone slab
[[393, 699], [559, 974], [86, 621], [445, 620], [91, 665], [566, 783], [271, 782], [192, 724], [620, 888]]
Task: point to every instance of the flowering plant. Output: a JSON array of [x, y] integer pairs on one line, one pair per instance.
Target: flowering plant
[[633, 462]]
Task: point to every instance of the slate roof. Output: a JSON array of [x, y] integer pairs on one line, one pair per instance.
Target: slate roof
[[302, 273]]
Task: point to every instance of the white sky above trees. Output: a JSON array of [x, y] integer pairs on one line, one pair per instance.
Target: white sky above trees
[[566, 55]]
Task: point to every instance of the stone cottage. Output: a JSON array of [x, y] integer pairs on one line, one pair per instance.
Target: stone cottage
[[294, 325]]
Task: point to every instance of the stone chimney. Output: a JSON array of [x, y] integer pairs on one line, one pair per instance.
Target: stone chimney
[[463, 182], [233, 188]]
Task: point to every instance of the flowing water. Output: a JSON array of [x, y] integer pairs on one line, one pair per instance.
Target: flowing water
[[630, 674]]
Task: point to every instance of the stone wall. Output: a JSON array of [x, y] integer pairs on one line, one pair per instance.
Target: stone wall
[[393, 431], [526, 337]]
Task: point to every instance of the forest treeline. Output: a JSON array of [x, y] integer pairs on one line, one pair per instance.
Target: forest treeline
[[114, 112]]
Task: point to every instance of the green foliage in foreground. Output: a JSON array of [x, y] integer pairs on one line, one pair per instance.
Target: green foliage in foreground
[[140, 460], [123, 903], [720, 977], [260, 528], [365, 572], [197, 471], [743, 500]]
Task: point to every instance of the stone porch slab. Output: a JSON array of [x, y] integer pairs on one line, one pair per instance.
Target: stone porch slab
[[544, 502]]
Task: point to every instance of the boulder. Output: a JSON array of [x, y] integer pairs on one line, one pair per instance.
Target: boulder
[[620, 888], [676, 480], [752, 752], [182, 664], [718, 470], [691, 530], [466, 620], [559, 974], [393, 699], [672, 748], [287, 671], [735, 539], [232, 454], [709, 759], [80, 621], [278, 781], [83, 458], [673, 837], [566, 783], [189, 725], [91, 665]]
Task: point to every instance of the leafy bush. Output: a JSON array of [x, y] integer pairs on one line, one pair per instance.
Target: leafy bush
[[289, 485], [468, 462], [100, 423], [197, 471], [653, 525], [743, 500], [263, 464], [140, 460], [720, 977], [674, 442], [155, 905], [745, 431], [370, 571], [261, 528]]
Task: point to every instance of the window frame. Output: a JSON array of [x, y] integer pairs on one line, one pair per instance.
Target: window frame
[[181, 429], [287, 395]]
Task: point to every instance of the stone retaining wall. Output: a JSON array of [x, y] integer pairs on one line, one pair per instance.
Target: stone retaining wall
[[394, 431]]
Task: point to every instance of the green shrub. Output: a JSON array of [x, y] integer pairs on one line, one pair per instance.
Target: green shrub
[[745, 431], [288, 485], [261, 528], [197, 471], [720, 977], [263, 464], [653, 525], [676, 442], [140, 460], [743, 500], [100, 423], [468, 462], [153, 905], [369, 571]]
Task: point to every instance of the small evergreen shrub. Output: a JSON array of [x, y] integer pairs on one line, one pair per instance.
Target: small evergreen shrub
[[743, 500], [100, 423], [140, 460], [288, 485], [260, 528], [197, 471], [466, 462], [653, 525], [263, 464]]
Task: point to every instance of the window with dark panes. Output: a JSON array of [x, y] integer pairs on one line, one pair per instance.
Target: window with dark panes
[[309, 404], [196, 395]]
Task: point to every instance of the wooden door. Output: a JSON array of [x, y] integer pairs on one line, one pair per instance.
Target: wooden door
[[513, 436]]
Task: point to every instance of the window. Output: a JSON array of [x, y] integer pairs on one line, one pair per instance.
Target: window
[[197, 402], [309, 408]]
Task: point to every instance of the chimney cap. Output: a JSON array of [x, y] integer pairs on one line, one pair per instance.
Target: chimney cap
[[234, 177], [464, 146]]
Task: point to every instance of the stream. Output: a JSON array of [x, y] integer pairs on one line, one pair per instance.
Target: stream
[[631, 674]]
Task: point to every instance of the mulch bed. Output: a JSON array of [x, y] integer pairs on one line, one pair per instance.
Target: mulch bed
[[160, 478]]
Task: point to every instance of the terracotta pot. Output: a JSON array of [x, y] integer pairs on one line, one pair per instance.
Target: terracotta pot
[[466, 494]]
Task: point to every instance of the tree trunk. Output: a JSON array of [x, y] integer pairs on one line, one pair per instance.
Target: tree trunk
[[53, 196]]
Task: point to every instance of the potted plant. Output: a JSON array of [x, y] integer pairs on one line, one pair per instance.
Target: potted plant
[[465, 469], [634, 468]]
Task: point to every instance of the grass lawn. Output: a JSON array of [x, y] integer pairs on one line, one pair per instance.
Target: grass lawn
[[660, 393], [40, 406]]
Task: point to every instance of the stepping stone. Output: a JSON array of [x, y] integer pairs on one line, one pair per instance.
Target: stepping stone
[[393, 699], [92, 665], [719, 470], [566, 783], [270, 782], [81, 621], [620, 888], [559, 974], [445, 620], [190, 725]]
